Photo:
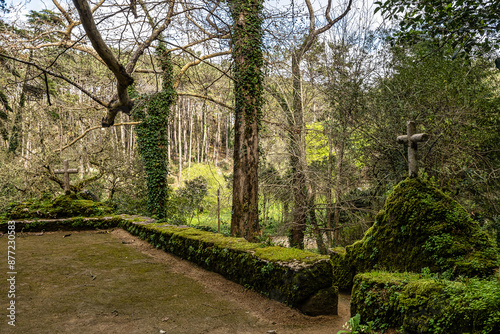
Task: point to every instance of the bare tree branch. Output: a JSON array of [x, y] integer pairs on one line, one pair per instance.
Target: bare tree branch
[[87, 131], [196, 62], [207, 98], [124, 79], [313, 32], [60, 76], [156, 33]]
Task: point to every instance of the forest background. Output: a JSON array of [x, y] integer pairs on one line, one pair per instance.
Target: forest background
[[336, 96]]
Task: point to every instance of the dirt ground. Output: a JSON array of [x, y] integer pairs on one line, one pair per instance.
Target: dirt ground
[[113, 282]]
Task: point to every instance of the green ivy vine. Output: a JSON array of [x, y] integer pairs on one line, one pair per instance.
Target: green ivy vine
[[152, 140], [247, 53]]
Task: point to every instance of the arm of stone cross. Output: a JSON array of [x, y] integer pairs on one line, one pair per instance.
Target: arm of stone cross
[[414, 138], [62, 171], [66, 171], [419, 137]]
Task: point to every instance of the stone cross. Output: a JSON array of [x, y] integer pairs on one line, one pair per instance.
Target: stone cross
[[66, 171], [411, 138]]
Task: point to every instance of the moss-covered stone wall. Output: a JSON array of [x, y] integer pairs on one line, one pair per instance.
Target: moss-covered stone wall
[[426, 304], [60, 207], [62, 224], [297, 278]]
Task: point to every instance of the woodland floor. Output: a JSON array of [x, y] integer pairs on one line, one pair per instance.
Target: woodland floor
[[113, 282]]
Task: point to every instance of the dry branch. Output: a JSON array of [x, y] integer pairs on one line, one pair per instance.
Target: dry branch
[[87, 131]]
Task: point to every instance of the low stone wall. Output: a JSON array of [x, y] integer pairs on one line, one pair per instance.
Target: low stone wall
[[63, 224], [427, 305], [297, 278]]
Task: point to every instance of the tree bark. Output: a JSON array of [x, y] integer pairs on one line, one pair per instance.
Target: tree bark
[[124, 79], [247, 55], [329, 199], [338, 191], [179, 132], [298, 161], [303, 196], [190, 135]]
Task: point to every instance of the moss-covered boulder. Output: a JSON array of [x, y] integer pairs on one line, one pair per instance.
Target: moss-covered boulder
[[419, 227], [420, 304], [60, 207]]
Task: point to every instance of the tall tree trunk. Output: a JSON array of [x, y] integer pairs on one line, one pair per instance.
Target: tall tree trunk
[[184, 128], [173, 126], [248, 61], [190, 135], [298, 161], [207, 139], [329, 199], [217, 140], [132, 144], [179, 132], [204, 131], [338, 190], [198, 139], [227, 136], [169, 142], [123, 138]]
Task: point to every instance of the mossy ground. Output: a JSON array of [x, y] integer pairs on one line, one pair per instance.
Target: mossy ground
[[95, 282], [419, 227]]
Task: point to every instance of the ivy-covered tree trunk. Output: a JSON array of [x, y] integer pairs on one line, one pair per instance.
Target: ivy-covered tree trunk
[[152, 137], [247, 55]]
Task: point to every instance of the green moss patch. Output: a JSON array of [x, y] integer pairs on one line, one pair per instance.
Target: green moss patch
[[64, 224], [419, 227], [60, 207], [283, 254], [420, 304]]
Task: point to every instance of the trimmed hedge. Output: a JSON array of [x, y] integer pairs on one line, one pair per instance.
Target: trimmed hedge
[[297, 278], [419, 304]]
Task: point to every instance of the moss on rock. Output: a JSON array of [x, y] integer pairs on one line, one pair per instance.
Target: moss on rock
[[427, 304], [61, 207], [63, 224], [324, 301], [419, 227]]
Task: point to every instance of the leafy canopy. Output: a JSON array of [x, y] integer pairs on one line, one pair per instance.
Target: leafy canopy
[[470, 26], [3, 6]]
